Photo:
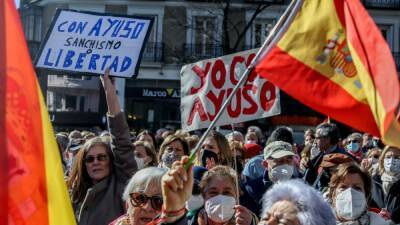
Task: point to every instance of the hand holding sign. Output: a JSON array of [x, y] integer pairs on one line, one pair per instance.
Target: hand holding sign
[[111, 94]]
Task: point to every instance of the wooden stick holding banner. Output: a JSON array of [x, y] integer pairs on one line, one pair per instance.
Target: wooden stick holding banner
[[265, 48]]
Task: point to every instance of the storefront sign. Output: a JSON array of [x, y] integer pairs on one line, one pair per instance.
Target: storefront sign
[[157, 93]]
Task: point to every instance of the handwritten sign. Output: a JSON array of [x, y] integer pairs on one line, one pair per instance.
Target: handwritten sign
[[89, 42], [206, 85]]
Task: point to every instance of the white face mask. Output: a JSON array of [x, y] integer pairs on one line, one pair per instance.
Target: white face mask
[[220, 208], [350, 204], [391, 165], [194, 203], [139, 163], [281, 173], [373, 160]]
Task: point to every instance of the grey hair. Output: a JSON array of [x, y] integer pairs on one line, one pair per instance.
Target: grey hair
[[231, 136], [143, 180], [313, 210]]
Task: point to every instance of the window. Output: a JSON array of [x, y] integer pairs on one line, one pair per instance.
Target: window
[[387, 33], [261, 29], [70, 103], [82, 104], [205, 35], [57, 102], [32, 22]]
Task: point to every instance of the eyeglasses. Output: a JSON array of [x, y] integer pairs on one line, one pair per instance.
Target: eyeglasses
[[140, 199], [100, 158], [353, 141], [376, 156]]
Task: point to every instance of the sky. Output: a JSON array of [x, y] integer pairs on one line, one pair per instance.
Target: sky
[[17, 3]]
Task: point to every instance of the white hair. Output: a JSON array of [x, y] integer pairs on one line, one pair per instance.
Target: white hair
[[313, 210], [144, 179]]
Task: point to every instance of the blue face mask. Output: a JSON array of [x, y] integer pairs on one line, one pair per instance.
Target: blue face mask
[[354, 147]]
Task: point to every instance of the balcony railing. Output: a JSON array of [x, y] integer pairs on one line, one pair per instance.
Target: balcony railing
[[195, 52], [382, 4], [153, 52]]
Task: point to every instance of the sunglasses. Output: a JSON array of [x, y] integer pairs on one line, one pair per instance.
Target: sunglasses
[[100, 158], [140, 199]]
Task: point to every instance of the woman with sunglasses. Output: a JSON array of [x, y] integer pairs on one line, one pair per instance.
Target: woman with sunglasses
[[100, 172], [143, 198]]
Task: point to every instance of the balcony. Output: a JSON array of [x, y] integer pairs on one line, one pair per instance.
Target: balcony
[[195, 52], [153, 52], [382, 4]]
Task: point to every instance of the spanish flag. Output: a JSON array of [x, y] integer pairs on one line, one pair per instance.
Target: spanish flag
[[331, 56], [32, 189]]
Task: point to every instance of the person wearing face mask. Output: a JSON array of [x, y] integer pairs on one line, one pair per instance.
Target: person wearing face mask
[[279, 166], [386, 184], [215, 151], [349, 192], [370, 163], [353, 146], [172, 149], [219, 190], [145, 155]]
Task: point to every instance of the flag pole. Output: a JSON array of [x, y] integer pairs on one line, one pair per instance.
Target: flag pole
[[265, 48]]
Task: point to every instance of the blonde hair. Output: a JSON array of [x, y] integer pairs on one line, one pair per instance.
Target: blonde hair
[[381, 168]]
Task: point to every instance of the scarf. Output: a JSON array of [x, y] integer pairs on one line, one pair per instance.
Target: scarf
[[388, 180], [363, 220]]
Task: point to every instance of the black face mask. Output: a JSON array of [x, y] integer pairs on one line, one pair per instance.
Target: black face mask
[[207, 154]]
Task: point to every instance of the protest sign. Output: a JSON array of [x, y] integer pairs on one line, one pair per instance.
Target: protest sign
[[206, 85], [88, 42]]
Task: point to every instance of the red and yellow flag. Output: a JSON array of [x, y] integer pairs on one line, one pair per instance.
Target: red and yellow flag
[[32, 189], [331, 56]]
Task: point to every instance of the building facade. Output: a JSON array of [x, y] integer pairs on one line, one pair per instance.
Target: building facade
[[183, 32]]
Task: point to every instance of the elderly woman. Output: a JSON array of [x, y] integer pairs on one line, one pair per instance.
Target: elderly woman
[[142, 196], [293, 202], [99, 173], [145, 155], [215, 151], [349, 192], [386, 184], [218, 189], [172, 149]]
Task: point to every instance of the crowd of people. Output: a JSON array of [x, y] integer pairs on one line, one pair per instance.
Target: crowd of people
[[116, 177]]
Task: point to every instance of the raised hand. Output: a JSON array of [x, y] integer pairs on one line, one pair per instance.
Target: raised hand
[[177, 187]]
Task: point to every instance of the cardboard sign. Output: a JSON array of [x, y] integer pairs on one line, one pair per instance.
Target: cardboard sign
[[206, 85], [88, 42]]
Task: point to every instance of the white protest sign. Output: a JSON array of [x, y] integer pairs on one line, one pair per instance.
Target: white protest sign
[[206, 85], [89, 42]]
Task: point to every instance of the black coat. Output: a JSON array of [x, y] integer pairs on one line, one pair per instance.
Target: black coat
[[391, 201]]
